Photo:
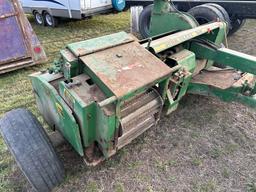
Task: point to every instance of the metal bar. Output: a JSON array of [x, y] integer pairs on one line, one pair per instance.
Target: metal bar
[[237, 60], [241, 61], [227, 95], [90, 46], [108, 101], [8, 15], [172, 40]]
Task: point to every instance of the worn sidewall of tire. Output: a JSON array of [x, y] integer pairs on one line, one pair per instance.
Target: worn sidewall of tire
[[32, 149]]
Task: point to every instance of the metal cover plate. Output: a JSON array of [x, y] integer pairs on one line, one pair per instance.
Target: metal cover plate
[[222, 79], [100, 43], [126, 68]]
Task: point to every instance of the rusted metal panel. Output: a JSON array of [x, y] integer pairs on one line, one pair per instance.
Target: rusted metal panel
[[126, 68], [219, 78], [19, 44], [100, 43]]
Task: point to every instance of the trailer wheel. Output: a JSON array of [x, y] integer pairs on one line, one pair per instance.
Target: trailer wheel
[[32, 149], [50, 20], [144, 21], [206, 13], [236, 25], [39, 18], [224, 13]]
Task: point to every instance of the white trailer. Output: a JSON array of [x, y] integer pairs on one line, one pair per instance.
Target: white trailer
[[47, 12]]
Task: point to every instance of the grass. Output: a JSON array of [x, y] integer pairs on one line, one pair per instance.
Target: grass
[[164, 165], [119, 187], [215, 152], [92, 186], [196, 161], [208, 186], [251, 187], [225, 173]]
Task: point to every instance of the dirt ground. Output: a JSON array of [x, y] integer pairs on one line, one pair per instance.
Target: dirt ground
[[206, 145]]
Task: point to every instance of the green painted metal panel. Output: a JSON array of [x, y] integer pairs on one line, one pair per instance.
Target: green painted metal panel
[[186, 59], [95, 124], [85, 114], [55, 111], [170, 20], [105, 131], [100, 43], [177, 86]]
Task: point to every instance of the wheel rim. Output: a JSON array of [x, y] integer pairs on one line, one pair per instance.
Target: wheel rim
[[39, 18], [48, 19]]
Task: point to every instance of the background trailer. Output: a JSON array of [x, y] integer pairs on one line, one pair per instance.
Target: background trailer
[[47, 12]]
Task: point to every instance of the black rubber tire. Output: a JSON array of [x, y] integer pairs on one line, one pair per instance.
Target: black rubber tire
[[50, 20], [224, 13], [37, 15], [236, 25], [206, 13], [32, 149], [144, 21]]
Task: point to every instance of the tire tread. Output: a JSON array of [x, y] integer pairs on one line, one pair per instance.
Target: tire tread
[[32, 149]]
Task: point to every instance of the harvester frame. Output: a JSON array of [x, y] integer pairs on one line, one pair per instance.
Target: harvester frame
[[102, 93]]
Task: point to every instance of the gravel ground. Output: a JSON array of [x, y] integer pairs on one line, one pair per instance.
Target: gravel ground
[[206, 145]]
